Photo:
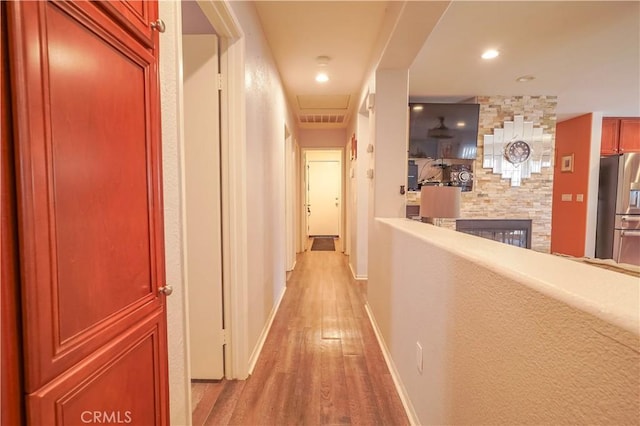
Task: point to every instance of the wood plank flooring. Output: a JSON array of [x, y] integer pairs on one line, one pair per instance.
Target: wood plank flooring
[[320, 365]]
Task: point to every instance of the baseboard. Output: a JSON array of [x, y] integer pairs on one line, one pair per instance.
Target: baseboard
[[357, 277], [402, 391], [253, 359]]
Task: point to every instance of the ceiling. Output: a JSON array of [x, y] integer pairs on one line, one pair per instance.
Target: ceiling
[[586, 53], [299, 32]]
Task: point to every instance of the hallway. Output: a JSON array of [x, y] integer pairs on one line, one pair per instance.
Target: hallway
[[321, 363]]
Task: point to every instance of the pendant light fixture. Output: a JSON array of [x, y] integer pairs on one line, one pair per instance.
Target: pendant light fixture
[[440, 132]]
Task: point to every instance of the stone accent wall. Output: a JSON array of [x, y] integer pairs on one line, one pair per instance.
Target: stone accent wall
[[493, 197]]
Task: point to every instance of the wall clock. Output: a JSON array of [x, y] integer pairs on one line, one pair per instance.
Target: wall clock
[[517, 149]]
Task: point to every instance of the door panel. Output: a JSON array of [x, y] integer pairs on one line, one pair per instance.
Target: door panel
[[629, 135], [136, 16], [203, 209], [101, 389], [324, 197], [100, 202], [609, 140], [89, 195]]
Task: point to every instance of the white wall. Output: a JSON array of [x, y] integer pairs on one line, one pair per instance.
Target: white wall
[[171, 98], [266, 117], [391, 136], [509, 336], [358, 202], [322, 138]]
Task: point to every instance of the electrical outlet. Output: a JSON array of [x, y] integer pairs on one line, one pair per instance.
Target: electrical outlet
[[419, 357]]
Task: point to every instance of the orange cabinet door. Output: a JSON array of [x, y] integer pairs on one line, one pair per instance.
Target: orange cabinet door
[[136, 16], [87, 139], [629, 135], [610, 130]]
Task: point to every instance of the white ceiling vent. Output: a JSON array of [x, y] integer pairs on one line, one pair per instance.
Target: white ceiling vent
[[322, 118]]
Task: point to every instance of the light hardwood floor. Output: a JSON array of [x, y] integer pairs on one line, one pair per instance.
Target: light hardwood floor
[[321, 363]]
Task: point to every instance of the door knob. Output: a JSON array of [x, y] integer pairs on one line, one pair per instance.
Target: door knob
[[158, 25], [166, 290]]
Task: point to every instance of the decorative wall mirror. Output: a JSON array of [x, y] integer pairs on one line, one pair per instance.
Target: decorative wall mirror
[[517, 149]]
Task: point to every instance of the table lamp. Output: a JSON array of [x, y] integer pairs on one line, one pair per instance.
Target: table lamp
[[437, 202]]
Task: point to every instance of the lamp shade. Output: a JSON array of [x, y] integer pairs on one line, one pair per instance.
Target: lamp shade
[[440, 201]]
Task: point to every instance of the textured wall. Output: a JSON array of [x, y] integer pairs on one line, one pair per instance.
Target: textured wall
[[170, 86], [493, 197], [509, 336], [266, 116]]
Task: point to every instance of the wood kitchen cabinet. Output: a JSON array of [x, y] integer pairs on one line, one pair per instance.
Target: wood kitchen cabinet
[[620, 135], [84, 324]]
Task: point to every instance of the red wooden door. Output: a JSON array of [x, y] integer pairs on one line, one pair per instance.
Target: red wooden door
[[11, 411], [87, 142]]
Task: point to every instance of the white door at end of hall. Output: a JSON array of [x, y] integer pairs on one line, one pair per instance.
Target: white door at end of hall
[[323, 186]]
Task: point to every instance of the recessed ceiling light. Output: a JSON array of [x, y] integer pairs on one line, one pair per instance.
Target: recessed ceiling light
[[322, 77], [525, 78], [490, 54], [418, 107], [460, 124]]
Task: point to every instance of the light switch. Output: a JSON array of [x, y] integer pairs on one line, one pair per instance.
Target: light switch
[[580, 198], [567, 197]]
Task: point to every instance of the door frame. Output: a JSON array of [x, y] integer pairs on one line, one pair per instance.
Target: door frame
[[233, 185], [303, 194], [290, 200], [202, 251]]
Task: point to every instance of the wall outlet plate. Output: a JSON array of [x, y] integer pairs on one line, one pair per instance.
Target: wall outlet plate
[[419, 357]]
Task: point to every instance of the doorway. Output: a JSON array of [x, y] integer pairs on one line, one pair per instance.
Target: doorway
[[323, 192], [202, 195], [290, 200]]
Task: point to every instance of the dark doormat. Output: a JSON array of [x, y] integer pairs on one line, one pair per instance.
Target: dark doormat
[[323, 244]]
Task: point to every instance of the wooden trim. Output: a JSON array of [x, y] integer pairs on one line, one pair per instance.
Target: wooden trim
[[221, 16], [357, 277], [11, 390], [234, 189], [402, 391], [265, 332]]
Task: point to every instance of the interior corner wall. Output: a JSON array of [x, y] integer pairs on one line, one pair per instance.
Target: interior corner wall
[[171, 111], [493, 197], [569, 218], [266, 116]]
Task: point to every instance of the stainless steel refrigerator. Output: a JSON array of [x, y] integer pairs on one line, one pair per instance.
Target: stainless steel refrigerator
[[618, 222]]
